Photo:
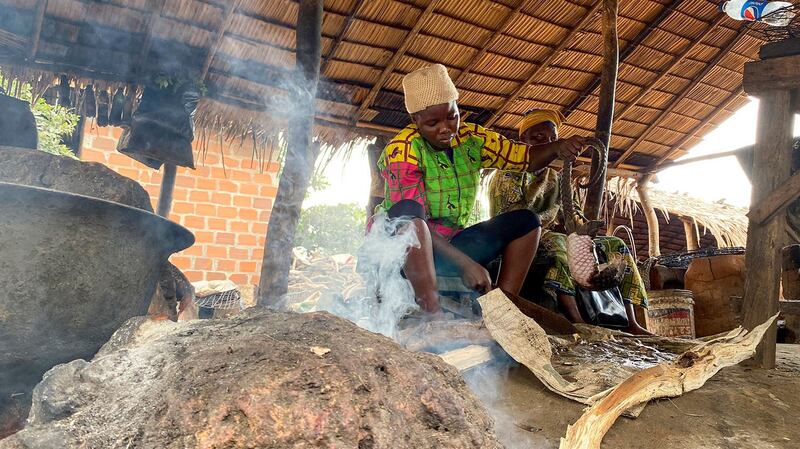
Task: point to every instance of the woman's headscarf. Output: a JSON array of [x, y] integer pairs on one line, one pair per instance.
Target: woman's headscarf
[[536, 116]]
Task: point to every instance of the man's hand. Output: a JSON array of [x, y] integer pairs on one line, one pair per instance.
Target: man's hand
[[476, 277], [570, 148]]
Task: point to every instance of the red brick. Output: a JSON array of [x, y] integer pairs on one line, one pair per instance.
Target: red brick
[[226, 265], [183, 208], [206, 210], [217, 224], [227, 212], [262, 178], [212, 156], [216, 276], [202, 263], [199, 196], [194, 222], [194, 250], [204, 237], [273, 167], [225, 238], [239, 279], [156, 178], [185, 181], [248, 189], [219, 173], [104, 143], [240, 175], [202, 172], [239, 226], [246, 240], [247, 267], [258, 228], [223, 199], [217, 252], [264, 215], [239, 254], [119, 160], [242, 201], [92, 155], [181, 261], [129, 172], [254, 280], [248, 214], [262, 240], [194, 276], [180, 194], [269, 191], [228, 186], [262, 203], [207, 184], [258, 253], [115, 132]]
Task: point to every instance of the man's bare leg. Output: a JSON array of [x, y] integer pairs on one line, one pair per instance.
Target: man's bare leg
[[633, 326], [517, 259], [570, 306], [419, 268]]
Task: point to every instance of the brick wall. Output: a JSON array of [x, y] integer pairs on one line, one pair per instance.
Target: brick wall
[[226, 209]]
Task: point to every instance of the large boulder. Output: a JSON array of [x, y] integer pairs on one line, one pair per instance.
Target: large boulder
[[39, 169], [261, 379]]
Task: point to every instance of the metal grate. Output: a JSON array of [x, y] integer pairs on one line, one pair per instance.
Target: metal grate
[[221, 301]]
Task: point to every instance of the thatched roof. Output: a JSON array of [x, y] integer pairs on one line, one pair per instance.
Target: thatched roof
[[727, 223], [680, 73]]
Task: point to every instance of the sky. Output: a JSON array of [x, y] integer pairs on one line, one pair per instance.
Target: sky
[[708, 180]]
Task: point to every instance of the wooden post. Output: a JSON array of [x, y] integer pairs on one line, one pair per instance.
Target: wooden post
[[301, 155], [772, 162], [692, 234], [653, 245], [167, 186], [377, 183], [605, 113], [790, 280]]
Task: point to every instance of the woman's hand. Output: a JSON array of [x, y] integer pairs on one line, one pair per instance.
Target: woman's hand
[[476, 277], [570, 148]]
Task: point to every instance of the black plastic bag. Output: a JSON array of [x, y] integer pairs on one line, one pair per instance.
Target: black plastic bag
[[604, 308], [162, 128]]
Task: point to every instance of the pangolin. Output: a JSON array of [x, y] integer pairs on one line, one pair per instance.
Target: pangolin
[[582, 257]]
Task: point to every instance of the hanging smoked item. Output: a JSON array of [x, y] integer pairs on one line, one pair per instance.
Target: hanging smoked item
[[64, 92], [17, 125], [117, 106], [127, 108], [162, 128], [102, 108], [89, 102]]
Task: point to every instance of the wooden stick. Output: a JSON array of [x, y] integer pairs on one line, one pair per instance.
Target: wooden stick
[[227, 18], [544, 65], [692, 234], [605, 113], [398, 55], [776, 201], [348, 22], [653, 244], [167, 187], [772, 162], [688, 372], [468, 357], [705, 157], [301, 155], [36, 35]]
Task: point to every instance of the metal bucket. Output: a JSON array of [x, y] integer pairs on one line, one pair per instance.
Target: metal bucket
[[72, 270], [671, 313]]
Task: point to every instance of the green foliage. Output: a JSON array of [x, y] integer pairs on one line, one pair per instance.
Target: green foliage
[[53, 122], [332, 229]]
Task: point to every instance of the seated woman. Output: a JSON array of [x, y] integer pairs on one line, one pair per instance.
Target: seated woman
[[432, 172], [540, 193]]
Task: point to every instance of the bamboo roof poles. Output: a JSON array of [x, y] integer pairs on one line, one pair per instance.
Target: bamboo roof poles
[[301, 156]]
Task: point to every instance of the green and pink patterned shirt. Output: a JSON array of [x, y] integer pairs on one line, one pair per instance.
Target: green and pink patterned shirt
[[447, 188]]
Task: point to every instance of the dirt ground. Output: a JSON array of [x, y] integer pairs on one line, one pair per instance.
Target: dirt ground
[[740, 407]]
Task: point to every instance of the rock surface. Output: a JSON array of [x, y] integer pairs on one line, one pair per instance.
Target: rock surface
[[40, 169], [261, 379]]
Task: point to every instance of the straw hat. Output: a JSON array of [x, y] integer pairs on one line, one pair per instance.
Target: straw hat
[[427, 87]]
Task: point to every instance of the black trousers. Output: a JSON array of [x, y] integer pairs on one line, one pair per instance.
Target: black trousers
[[483, 242]]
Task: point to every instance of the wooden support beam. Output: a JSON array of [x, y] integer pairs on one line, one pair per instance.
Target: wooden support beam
[[605, 113], [662, 162], [167, 187], [653, 234], [692, 234], [150, 28], [36, 35], [377, 189], [348, 22], [509, 19], [545, 64], [776, 201], [772, 163], [674, 64], [771, 74], [682, 94], [216, 42], [398, 55], [301, 155], [633, 44], [705, 157]]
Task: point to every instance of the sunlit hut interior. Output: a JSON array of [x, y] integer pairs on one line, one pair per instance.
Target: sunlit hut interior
[[680, 73]]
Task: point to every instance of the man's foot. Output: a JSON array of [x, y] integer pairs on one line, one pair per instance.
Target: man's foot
[[635, 329]]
